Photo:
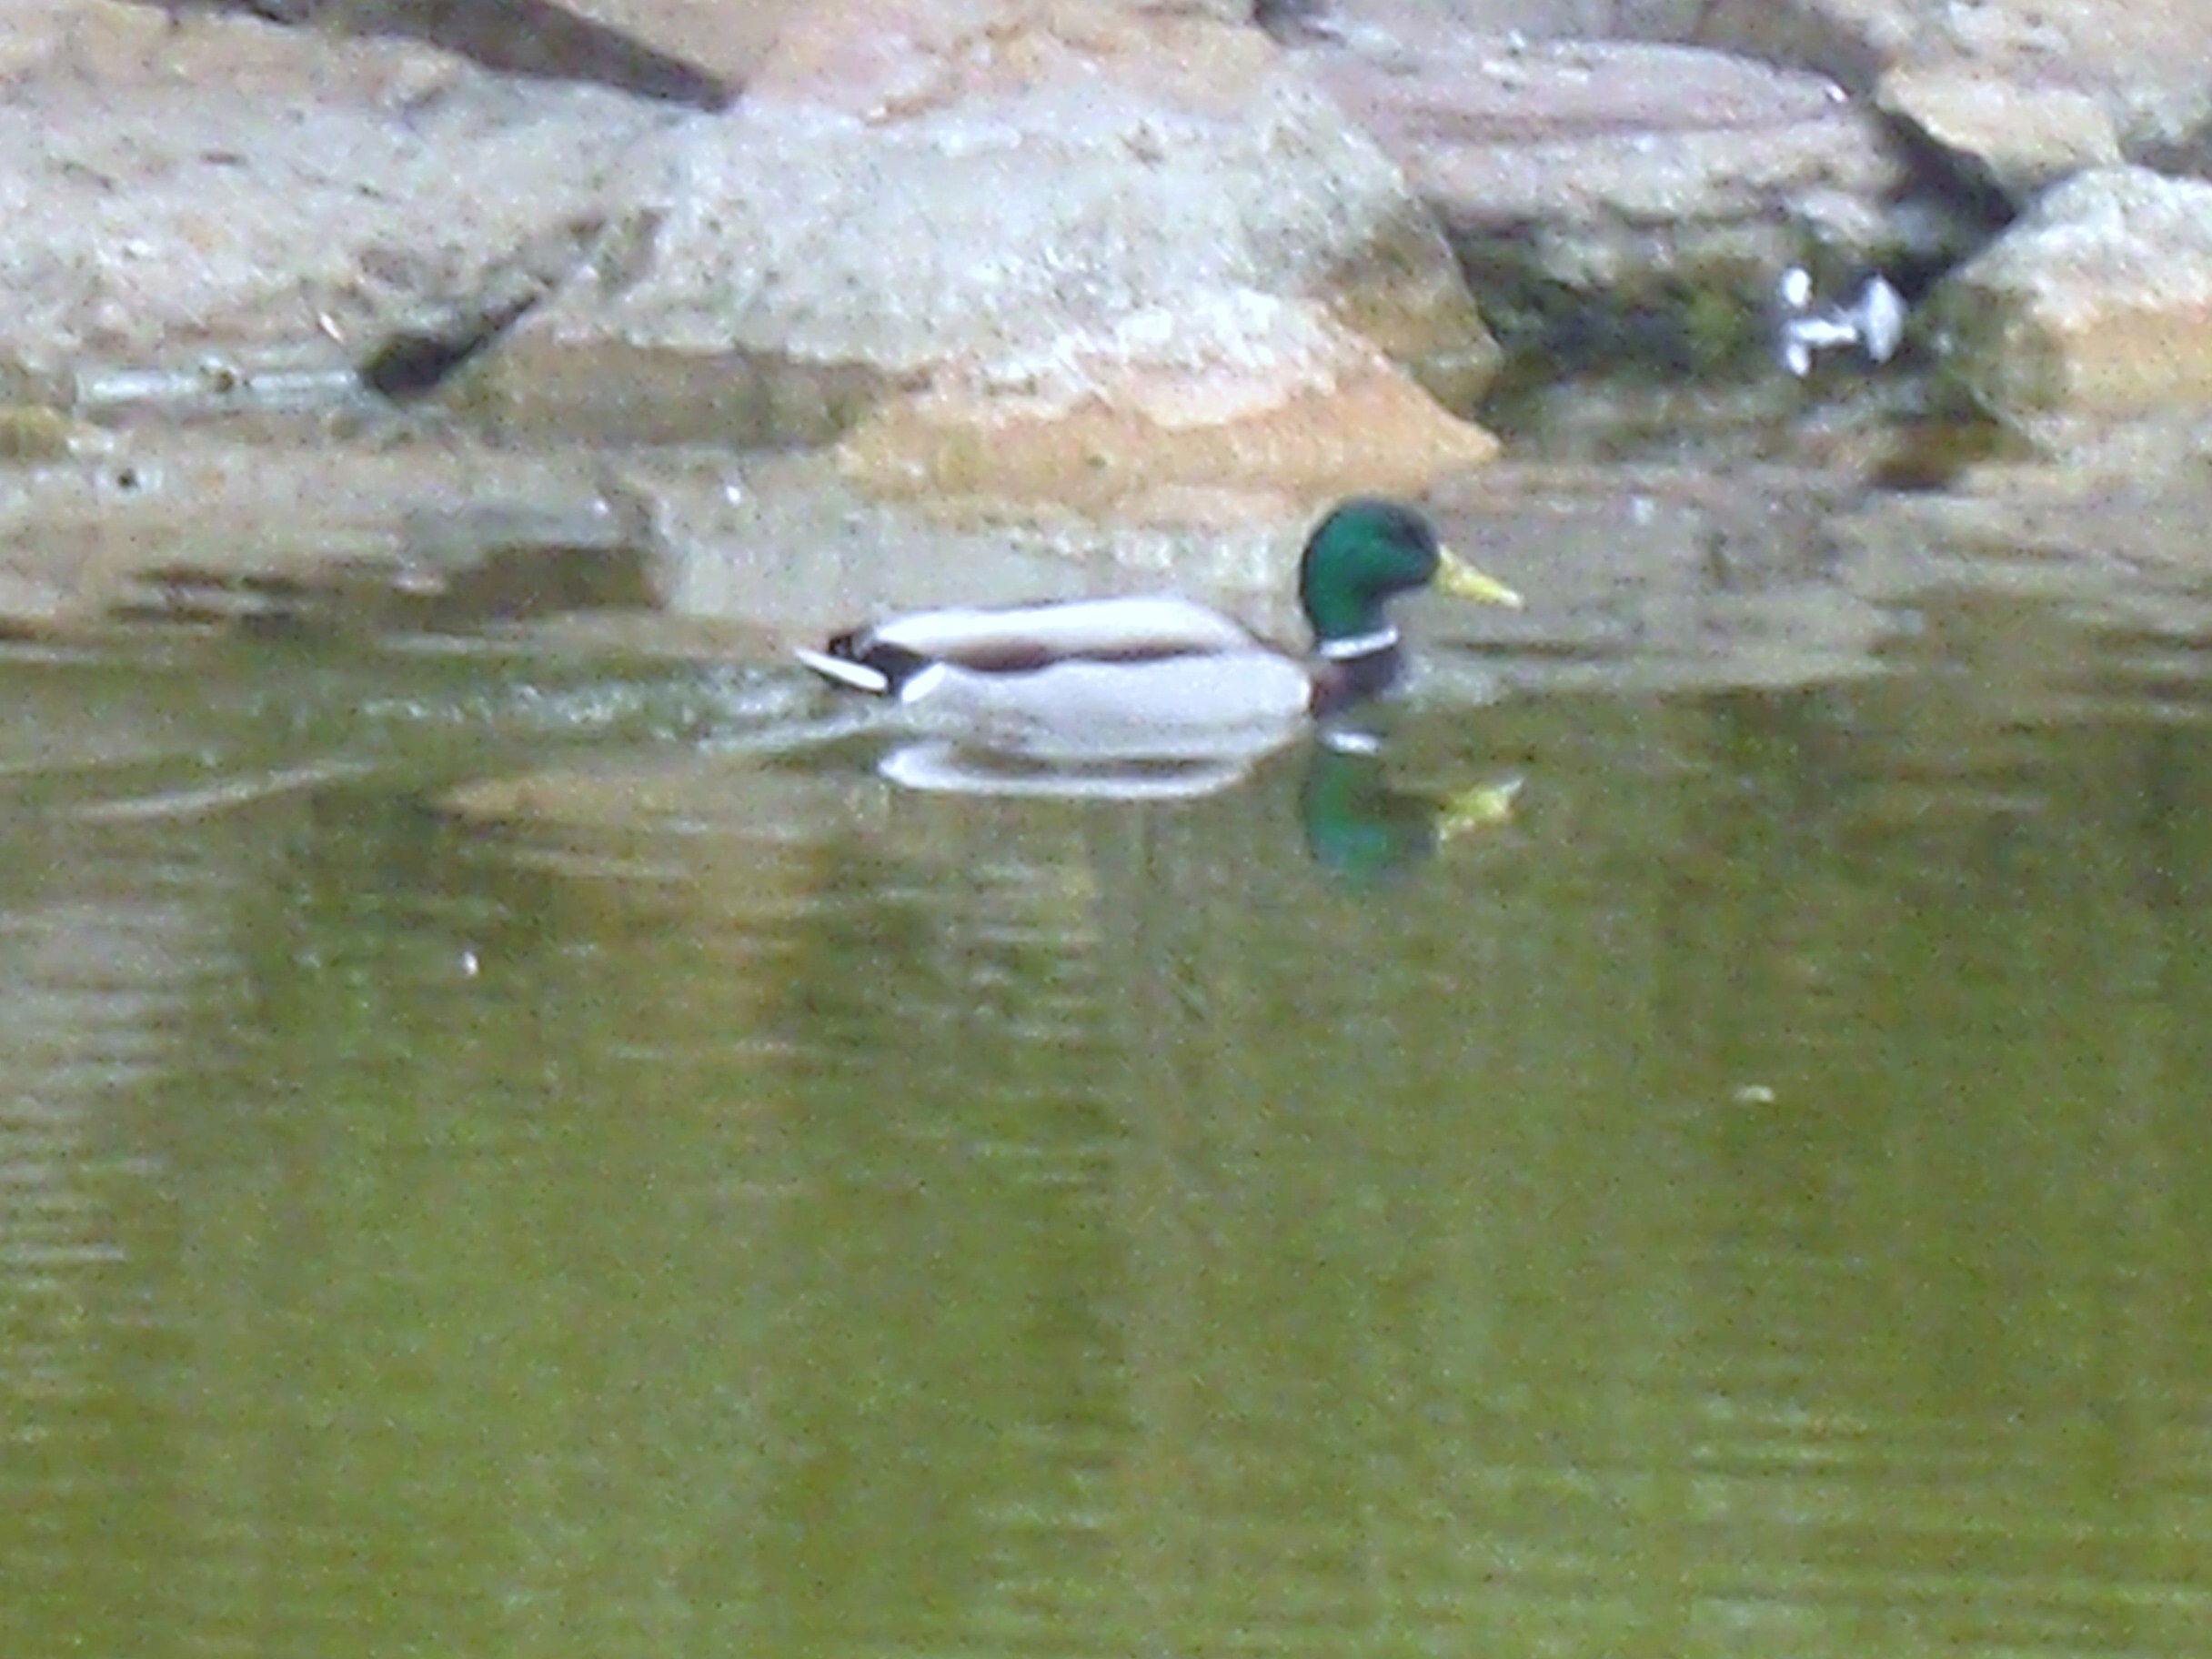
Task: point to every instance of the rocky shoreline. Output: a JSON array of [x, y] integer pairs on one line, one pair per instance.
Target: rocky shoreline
[[1149, 261]]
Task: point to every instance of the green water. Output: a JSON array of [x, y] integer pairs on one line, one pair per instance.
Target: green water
[[1753, 1201]]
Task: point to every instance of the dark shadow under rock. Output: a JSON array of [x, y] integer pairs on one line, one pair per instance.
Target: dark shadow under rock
[[529, 38]]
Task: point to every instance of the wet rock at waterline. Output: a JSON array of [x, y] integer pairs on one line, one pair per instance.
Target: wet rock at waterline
[[2097, 306], [203, 533], [1012, 215], [1236, 393]]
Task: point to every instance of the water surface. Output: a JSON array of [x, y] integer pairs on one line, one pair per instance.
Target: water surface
[[702, 1199]]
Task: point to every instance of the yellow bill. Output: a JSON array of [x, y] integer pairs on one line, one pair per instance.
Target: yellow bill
[[1455, 575], [1484, 807]]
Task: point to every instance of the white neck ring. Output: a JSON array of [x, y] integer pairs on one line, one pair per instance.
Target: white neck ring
[[1358, 645]]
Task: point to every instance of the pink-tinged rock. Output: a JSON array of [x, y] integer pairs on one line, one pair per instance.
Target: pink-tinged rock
[[1608, 164]]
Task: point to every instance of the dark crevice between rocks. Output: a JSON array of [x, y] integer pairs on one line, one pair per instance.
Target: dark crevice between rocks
[[1956, 184], [1687, 365], [526, 37], [415, 363], [1287, 19]]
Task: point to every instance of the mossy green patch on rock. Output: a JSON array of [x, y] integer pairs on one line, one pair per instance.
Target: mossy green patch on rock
[[1714, 322], [31, 432]]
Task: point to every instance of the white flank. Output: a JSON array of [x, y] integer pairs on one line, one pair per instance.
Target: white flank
[[1217, 705], [1078, 629]]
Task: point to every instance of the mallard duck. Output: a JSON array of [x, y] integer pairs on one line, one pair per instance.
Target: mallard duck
[[1161, 677]]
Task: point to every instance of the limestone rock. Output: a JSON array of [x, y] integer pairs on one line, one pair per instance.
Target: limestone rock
[[2142, 59], [235, 188], [935, 196], [2097, 303], [2016, 138]]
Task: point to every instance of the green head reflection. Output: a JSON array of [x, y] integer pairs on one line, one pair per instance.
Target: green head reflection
[[1361, 827]]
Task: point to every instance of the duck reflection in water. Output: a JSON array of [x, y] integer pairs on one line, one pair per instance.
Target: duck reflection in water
[[1358, 821], [1363, 827]]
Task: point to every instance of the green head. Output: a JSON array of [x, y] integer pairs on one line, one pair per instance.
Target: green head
[[1366, 551]]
